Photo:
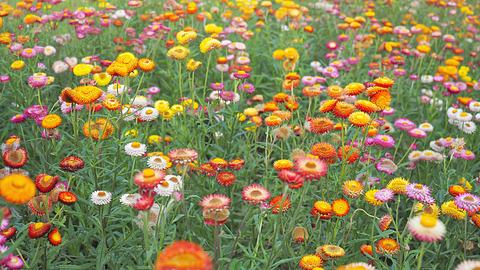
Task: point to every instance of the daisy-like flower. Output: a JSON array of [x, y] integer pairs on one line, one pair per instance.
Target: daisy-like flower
[[450, 209], [135, 149], [419, 192], [311, 168], [469, 127], [309, 262], [385, 141], [340, 207], [417, 133], [157, 163], [128, 113], [101, 197], [148, 178], [427, 127], [176, 181], [384, 195], [468, 202], [183, 255], [148, 114], [352, 188], [357, 266], [327, 252], [387, 245], [14, 262], [468, 265], [129, 199], [255, 194], [404, 124], [426, 228], [164, 189], [116, 89], [398, 185], [215, 201], [183, 155]]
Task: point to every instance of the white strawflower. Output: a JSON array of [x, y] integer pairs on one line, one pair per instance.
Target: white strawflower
[[129, 199], [116, 89], [135, 149], [148, 114], [164, 189], [101, 197], [157, 163]]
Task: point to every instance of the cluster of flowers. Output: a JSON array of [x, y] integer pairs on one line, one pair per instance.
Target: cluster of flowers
[[8, 260], [217, 167]]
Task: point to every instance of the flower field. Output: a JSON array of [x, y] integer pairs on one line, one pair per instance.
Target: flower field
[[239, 134]]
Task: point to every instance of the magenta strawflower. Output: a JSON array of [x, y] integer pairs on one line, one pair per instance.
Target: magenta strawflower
[[385, 141], [404, 124], [420, 193], [384, 195], [255, 194], [417, 133], [468, 202]]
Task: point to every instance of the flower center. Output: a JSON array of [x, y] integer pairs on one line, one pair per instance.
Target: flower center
[[469, 199], [428, 221], [102, 194], [149, 111], [165, 184], [20, 183], [418, 186], [311, 165], [136, 145], [147, 173], [256, 193]]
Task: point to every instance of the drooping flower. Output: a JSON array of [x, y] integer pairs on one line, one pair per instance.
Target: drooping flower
[[72, 164], [280, 204]]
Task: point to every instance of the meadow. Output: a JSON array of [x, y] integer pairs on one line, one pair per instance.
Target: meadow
[[239, 134]]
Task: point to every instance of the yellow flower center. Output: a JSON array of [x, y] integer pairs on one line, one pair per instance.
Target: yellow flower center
[[165, 183], [148, 173], [19, 183], [428, 221], [136, 145], [310, 165], [149, 111]]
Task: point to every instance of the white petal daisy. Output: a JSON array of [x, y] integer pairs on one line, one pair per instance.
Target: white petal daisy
[[157, 163], [135, 149], [129, 199], [164, 189], [101, 197]]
